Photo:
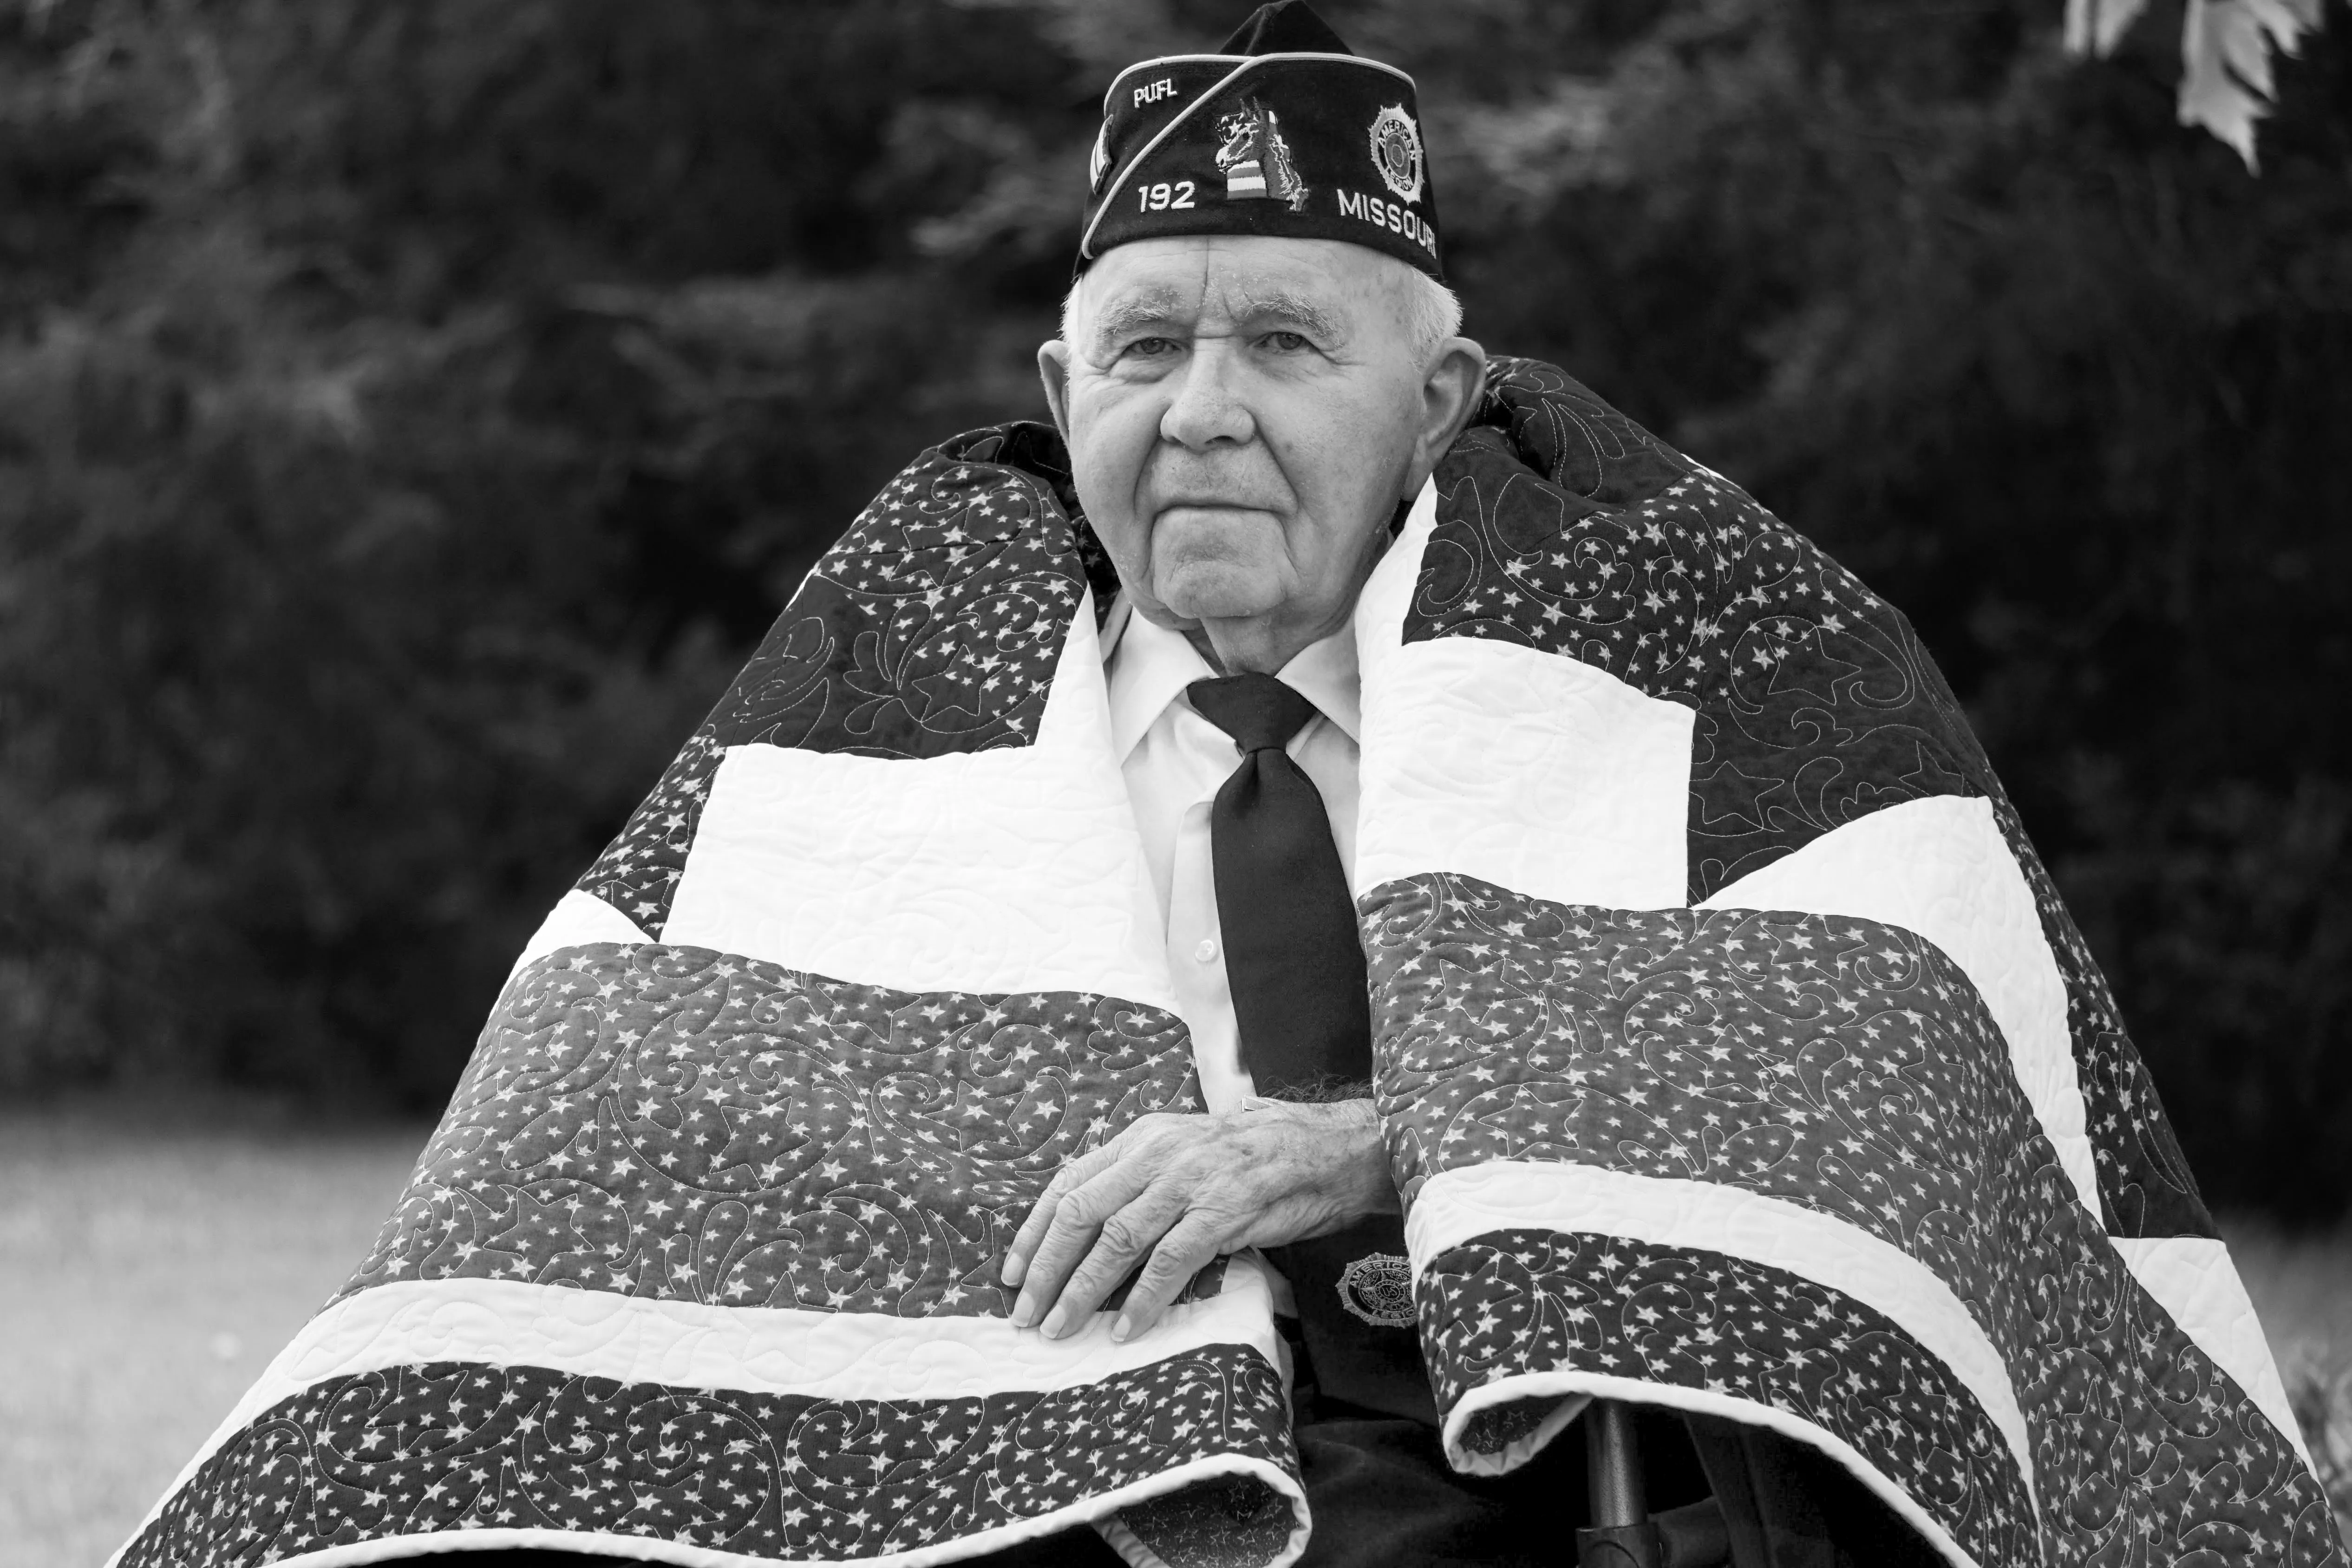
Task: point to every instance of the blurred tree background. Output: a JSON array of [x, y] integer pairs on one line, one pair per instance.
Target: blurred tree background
[[412, 410]]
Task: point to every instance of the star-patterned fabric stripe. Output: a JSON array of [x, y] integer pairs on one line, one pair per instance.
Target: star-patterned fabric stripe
[[1850, 1068], [425, 1450], [2146, 1188], [1564, 526], [932, 627], [678, 1123], [1519, 1304]]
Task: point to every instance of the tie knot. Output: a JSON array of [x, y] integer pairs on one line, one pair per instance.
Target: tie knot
[[1257, 710]]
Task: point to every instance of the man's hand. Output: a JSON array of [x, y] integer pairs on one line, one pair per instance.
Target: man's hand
[[1187, 1189]]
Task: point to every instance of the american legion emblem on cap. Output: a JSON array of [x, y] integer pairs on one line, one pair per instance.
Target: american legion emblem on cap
[[1285, 131]]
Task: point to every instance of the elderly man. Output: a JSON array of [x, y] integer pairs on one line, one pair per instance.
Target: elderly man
[[1249, 410], [1237, 973], [1247, 416]]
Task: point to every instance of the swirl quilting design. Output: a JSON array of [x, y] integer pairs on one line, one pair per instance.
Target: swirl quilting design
[[1838, 1063], [1850, 1068], [1520, 1301], [678, 1123], [1564, 526], [687, 1126], [452, 1447], [932, 628], [2146, 1188], [1815, 703]]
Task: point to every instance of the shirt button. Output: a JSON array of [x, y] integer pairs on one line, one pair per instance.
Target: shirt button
[[1207, 952]]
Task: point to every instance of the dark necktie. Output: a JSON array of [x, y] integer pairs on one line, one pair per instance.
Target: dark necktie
[[1291, 951], [1295, 968]]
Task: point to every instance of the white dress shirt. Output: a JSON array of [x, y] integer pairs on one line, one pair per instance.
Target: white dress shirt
[[1175, 760]]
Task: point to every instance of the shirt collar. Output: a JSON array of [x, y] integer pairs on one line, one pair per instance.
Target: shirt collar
[[1325, 673], [1151, 666]]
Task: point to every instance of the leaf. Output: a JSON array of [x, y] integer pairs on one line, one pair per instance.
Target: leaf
[[2225, 52], [2096, 26]]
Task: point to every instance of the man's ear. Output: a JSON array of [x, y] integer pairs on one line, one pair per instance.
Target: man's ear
[[1449, 395], [1054, 369]]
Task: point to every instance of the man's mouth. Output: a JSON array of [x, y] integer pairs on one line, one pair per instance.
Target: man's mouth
[[1216, 504]]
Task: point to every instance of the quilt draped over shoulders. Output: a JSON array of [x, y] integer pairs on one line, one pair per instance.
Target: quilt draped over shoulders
[[1734, 1051]]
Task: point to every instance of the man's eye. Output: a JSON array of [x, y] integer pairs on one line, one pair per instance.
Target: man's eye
[[1288, 342], [1152, 348]]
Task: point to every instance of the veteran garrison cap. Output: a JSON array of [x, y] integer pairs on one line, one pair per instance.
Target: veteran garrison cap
[[1286, 130]]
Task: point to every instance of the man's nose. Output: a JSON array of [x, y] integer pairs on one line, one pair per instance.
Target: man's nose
[[1206, 408]]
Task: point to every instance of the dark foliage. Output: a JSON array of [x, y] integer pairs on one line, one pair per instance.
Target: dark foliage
[[410, 413]]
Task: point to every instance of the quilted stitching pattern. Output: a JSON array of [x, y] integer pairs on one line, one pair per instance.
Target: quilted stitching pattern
[[1939, 869], [678, 1123], [1848, 1066], [1516, 1302], [709, 1130], [1815, 699], [930, 628], [1836, 1063], [1564, 526], [1014, 868], [2146, 1188], [464, 1446], [1509, 763]]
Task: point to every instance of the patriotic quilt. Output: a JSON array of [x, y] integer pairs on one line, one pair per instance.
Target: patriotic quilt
[[1735, 1052]]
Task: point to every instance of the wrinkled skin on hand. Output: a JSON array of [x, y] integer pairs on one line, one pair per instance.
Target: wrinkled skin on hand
[[1184, 1189]]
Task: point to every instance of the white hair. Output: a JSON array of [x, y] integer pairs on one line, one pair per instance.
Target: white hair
[[1433, 312]]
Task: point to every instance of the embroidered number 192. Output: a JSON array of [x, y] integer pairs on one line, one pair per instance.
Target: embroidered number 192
[[1163, 197]]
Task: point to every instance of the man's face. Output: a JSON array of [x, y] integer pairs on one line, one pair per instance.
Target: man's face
[[1242, 415]]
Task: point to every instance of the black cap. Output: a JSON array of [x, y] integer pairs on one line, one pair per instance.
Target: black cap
[[1284, 27], [1285, 132]]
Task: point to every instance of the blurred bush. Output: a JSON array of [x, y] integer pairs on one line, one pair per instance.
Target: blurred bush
[[410, 412]]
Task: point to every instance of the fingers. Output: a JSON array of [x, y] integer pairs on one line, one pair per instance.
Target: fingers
[[1186, 1248], [1121, 1240], [1070, 1177], [1172, 1192]]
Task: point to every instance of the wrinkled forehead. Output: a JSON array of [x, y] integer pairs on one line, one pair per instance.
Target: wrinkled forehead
[[1326, 288]]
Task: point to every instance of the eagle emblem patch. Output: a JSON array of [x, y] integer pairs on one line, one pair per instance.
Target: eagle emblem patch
[[1396, 152], [1378, 1288]]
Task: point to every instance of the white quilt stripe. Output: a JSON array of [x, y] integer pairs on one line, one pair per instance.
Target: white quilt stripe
[[751, 1350], [2191, 1277], [1522, 768], [1386, 596], [1007, 870], [578, 919], [1939, 869], [1456, 1206]]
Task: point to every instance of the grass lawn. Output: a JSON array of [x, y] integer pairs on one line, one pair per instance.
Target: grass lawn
[[151, 1269]]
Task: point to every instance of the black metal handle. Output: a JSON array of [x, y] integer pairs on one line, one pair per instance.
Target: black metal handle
[[1622, 1534]]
